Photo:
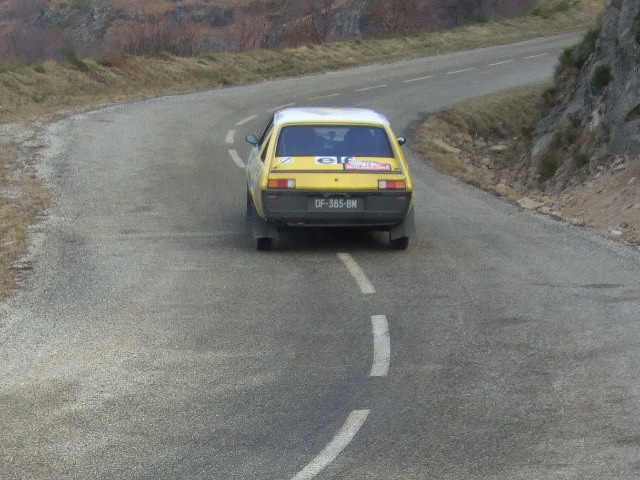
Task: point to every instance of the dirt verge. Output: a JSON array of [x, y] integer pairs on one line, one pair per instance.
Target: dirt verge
[[23, 202], [482, 141]]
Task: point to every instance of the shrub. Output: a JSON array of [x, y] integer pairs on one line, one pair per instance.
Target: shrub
[[549, 96], [120, 61], [566, 136], [39, 68], [70, 54], [601, 76], [538, 12], [548, 12], [549, 165], [574, 57], [589, 41], [527, 131], [480, 16], [580, 159]]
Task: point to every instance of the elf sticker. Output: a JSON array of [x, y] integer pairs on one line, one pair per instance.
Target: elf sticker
[[327, 160]]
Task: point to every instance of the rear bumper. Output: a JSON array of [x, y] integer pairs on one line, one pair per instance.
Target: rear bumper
[[339, 209]]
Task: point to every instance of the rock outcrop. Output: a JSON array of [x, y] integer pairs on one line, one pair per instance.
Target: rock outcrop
[[596, 120]]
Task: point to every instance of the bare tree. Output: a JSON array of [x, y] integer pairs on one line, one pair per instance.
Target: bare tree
[[249, 32], [28, 42], [319, 14], [384, 17], [152, 34]]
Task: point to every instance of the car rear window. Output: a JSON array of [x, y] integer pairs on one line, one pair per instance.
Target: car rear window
[[333, 140]]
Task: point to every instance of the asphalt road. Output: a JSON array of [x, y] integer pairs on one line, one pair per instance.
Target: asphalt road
[[153, 342]]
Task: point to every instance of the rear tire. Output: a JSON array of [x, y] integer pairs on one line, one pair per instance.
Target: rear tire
[[264, 243], [400, 243]]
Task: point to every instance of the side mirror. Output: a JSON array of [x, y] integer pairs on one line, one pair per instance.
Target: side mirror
[[252, 139], [401, 140]]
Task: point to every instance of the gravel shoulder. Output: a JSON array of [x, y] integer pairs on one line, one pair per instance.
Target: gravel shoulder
[[24, 201]]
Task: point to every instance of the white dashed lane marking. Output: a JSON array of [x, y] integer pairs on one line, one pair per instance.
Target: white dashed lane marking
[[455, 72], [281, 106], [354, 269], [235, 156], [381, 346], [373, 87], [419, 79], [536, 56], [335, 447], [246, 120], [501, 63], [230, 138], [331, 95]]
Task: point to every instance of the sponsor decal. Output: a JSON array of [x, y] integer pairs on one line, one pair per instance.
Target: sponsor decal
[[327, 160], [286, 160], [354, 164]]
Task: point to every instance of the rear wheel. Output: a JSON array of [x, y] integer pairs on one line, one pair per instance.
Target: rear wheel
[[399, 243], [264, 243]]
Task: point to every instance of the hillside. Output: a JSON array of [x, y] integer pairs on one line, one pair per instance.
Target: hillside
[[35, 30]]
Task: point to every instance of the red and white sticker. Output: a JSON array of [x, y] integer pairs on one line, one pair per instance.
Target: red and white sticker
[[354, 164]]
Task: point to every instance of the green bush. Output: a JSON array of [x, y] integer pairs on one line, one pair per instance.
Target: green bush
[[601, 76], [539, 12], [574, 57], [636, 27], [549, 165], [566, 136], [589, 41], [580, 159], [548, 12], [480, 16], [70, 54]]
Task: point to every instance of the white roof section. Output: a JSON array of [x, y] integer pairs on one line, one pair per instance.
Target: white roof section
[[328, 115]]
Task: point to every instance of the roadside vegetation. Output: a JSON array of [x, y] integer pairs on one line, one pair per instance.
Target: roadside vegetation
[[52, 88], [478, 140]]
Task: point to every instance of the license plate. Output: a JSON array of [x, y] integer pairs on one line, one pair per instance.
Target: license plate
[[332, 204]]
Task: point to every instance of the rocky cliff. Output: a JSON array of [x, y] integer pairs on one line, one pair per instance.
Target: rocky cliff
[[595, 122]]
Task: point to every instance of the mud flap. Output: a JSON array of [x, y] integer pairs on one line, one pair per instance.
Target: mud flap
[[259, 227], [405, 229], [262, 229]]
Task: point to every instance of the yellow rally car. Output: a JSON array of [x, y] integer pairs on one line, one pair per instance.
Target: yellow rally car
[[328, 167]]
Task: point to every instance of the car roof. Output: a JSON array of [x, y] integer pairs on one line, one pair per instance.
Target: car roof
[[328, 115]]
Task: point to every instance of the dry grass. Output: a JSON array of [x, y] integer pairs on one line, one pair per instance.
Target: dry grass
[[458, 140], [28, 92]]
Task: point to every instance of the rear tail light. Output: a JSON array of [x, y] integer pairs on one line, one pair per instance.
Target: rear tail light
[[392, 185], [281, 183]]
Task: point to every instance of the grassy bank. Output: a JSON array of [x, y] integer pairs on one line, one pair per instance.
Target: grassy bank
[[480, 140], [50, 89]]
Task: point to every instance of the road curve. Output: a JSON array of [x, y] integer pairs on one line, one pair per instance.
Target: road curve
[[153, 342]]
